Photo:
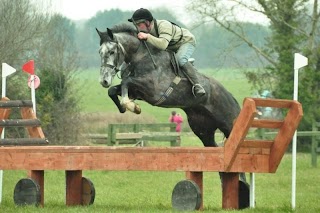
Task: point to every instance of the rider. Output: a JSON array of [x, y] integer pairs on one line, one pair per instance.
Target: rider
[[166, 35]]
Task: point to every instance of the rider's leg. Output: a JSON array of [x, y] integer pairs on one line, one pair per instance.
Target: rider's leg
[[183, 54]]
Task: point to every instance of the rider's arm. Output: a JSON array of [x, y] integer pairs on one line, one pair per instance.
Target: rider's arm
[[165, 31], [160, 43]]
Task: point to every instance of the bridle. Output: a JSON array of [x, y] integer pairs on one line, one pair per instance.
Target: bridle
[[116, 68], [124, 65]]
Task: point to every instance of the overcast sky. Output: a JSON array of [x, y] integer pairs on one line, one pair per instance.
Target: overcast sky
[[85, 9]]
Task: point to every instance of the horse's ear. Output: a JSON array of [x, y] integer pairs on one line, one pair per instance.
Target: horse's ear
[[99, 33], [110, 33]]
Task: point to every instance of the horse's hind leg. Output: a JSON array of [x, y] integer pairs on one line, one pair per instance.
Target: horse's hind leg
[[113, 93]]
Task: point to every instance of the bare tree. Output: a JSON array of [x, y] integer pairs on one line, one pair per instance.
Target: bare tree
[[294, 28], [21, 27]]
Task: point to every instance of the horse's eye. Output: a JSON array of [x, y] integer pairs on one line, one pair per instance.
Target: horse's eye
[[111, 52]]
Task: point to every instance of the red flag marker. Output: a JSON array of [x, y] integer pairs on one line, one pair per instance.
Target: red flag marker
[[29, 67]]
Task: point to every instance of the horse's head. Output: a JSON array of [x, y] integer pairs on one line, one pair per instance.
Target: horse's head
[[112, 57]]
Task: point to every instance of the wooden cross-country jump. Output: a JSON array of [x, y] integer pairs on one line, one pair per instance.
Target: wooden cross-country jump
[[239, 154]]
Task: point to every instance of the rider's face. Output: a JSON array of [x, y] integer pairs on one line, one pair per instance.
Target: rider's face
[[144, 27]]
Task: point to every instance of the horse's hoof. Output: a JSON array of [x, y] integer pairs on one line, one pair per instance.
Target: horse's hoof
[[131, 106], [122, 110], [137, 109]]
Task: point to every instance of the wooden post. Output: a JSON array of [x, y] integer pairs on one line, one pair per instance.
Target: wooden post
[[197, 177], [4, 112], [34, 131], [73, 188], [174, 142], [314, 145], [285, 134], [230, 191], [110, 129], [38, 176]]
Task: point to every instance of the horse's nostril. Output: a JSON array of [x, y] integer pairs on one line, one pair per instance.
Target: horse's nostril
[[104, 83]]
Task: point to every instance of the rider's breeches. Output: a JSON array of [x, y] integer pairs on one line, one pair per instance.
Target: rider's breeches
[[184, 53]]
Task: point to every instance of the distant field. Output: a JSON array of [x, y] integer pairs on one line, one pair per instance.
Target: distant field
[[96, 98]]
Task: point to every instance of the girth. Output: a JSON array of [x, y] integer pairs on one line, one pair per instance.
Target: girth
[[170, 89], [175, 82]]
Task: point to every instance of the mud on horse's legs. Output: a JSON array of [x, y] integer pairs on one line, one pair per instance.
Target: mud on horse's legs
[[127, 103]]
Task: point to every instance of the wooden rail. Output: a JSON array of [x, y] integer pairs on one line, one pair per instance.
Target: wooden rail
[[247, 119], [134, 133], [315, 137], [29, 121]]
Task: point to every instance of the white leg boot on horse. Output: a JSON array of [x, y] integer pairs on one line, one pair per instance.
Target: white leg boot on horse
[[197, 88], [130, 105]]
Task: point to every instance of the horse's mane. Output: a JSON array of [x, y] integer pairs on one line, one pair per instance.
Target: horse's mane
[[124, 28], [119, 28]]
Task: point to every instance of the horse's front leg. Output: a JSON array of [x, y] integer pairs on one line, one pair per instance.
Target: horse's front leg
[[127, 102], [113, 93]]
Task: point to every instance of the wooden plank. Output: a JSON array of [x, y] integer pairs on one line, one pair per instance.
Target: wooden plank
[[197, 177], [6, 103], [19, 122], [23, 141], [38, 176], [254, 163], [299, 133], [73, 188], [265, 123], [271, 102], [112, 158], [254, 151], [257, 143], [127, 158], [285, 135], [34, 132], [123, 136], [239, 132], [4, 114], [230, 191]]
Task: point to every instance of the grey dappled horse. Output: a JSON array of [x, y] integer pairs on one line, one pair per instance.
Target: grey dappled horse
[[121, 51]]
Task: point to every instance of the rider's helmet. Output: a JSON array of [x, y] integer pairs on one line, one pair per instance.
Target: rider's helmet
[[141, 14]]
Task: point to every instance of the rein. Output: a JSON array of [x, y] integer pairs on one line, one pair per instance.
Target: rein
[[124, 65]]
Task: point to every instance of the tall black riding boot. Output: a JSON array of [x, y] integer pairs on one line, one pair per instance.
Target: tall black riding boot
[[197, 88]]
